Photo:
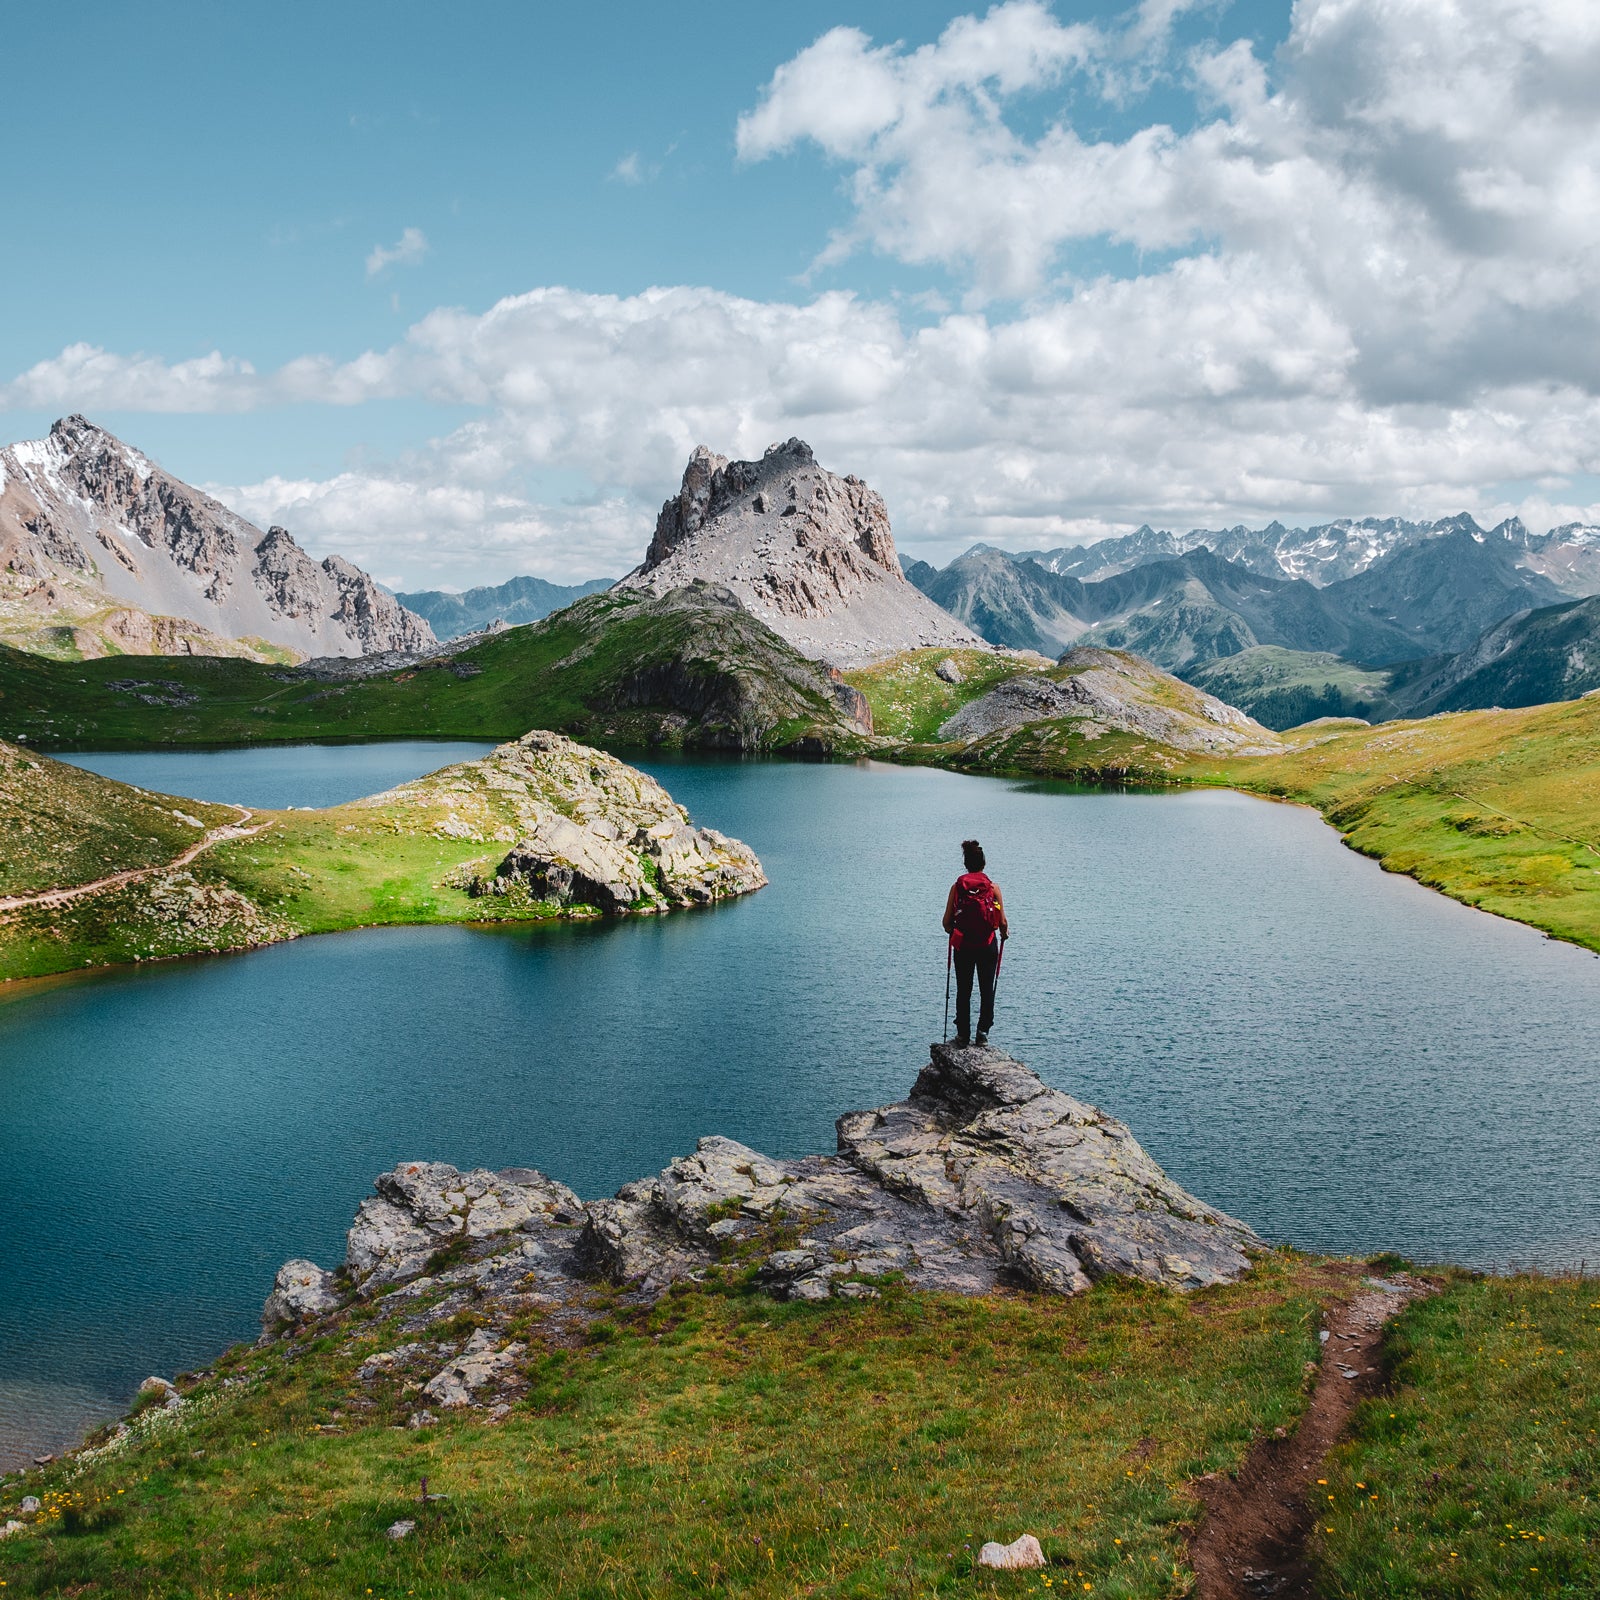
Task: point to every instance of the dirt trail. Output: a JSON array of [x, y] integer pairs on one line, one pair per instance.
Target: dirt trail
[[57, 897], [1251, 1542]]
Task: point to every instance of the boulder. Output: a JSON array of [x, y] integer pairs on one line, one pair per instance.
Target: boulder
[[1016, 1556], [302, 1290], [949, 671]]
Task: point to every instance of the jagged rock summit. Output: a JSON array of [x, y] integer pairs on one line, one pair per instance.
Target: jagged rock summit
[[983, 1175], [101, 552], [806, 551]]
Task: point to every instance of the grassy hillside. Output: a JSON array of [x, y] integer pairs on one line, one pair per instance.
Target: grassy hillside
[[1284, 688], [619, 669], [407, 856], [64, 826], [1500, 809], [910, 700], [720, 1443], [1475, 1476]]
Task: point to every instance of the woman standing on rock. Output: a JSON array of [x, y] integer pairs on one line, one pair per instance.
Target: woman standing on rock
[[975, 919]]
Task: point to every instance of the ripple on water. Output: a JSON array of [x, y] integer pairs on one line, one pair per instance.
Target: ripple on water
[[1340, 1057]]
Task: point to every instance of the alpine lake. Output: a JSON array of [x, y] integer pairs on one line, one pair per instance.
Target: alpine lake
[[1339, 1056]]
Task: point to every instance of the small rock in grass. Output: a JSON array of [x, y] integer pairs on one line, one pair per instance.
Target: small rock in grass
[[948, 670], [12, 1527], [1023, 1552], [399, 1530], [421, 1419], [30, 1504]]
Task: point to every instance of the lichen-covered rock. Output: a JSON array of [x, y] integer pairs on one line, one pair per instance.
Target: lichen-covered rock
[[479, 1364], [586, 829], [983, 1175], [423, 1206], [303, 1290]]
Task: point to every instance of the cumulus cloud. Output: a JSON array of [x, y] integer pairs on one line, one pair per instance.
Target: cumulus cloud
[[1375, 291], [412, 245]]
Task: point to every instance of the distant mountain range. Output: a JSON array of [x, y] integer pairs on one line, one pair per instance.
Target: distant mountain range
[[103, 553], [1454, 615], [1331, 551], [515, 601]]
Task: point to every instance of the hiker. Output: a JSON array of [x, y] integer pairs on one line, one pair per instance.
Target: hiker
[[975, 919]]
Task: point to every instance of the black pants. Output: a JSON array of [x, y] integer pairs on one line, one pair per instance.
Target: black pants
[[983, 960]]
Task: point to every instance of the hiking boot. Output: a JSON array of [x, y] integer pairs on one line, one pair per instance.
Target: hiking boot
[[961, 1041], [983, 1036]]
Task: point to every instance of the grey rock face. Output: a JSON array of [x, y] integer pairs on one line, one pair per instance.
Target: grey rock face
[[1110, 690], [600, 833], [88, 523], [983, 1175], [806, 551], [302, 1291]]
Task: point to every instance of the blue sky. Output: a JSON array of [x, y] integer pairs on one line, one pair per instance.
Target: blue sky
[[190, 179]]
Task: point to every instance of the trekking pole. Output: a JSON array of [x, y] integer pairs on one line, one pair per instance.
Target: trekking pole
[[949, 956]]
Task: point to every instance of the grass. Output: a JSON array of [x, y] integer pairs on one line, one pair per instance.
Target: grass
[[64, 826], [1479, 1474], [910, 700], [1499, 809], [720, 1443], [405, 857], [620, 669], [717, 1443]]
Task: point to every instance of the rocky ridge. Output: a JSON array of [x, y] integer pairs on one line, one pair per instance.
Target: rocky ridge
[[102, 552], [585, 829], [806, 551], [1106, 691], [982, 1176]]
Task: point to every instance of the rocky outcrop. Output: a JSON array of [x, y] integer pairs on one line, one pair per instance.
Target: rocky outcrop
[[100, 545], [982, 1176], [1109, 690], [589, 830], [806, 551]]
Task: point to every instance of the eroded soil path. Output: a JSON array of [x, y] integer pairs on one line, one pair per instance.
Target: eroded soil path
[[213, 836], [1251, 1542]]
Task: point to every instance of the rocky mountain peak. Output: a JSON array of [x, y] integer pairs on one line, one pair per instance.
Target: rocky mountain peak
[[101, 550], [807, 551]]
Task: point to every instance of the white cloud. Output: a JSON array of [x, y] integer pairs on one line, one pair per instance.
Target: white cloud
[[1379, 295], [412, 245], [628, 170]]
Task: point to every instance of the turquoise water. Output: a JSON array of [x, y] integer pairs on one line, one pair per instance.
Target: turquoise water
[[1341, 1057], [272, 777]]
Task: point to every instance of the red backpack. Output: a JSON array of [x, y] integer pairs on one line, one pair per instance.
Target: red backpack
[[977, 910]]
